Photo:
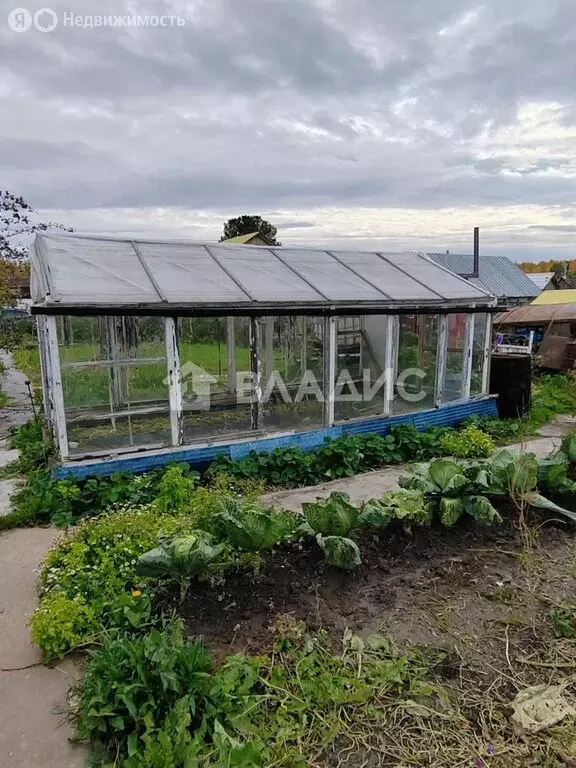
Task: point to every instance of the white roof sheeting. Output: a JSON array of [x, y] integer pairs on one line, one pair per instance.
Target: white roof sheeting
[[540, 279], [76, 272]]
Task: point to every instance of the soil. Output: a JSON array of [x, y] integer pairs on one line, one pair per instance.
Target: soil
[[473, 589]]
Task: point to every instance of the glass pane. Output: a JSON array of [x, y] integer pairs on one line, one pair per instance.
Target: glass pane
[[454, 376], [114, 380], [478, 344], [415, 385], [360, 366], [216, 397], [292, 373]]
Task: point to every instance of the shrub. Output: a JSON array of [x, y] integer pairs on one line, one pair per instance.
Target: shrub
[[471, 443], [500, 430], [62, 623], [175, 489], [95, 567], [138, 690]]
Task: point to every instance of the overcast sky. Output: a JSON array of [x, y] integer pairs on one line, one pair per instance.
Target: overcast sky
[[358, 123]]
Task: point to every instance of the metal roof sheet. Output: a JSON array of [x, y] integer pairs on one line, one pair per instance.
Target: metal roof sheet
[[497, 274], [82, 272], [537, 314], [556, 297], [540, 279]]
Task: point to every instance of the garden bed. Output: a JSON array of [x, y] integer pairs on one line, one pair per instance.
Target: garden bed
[[401, 573]]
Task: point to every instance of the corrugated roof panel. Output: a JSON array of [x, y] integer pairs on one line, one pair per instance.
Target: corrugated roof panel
[[446, 285], [263, 276], [387, 278], [537, 314], [86, 270], [567, 296], [540, 279], [333, 279], [180, 270], [497, 274]]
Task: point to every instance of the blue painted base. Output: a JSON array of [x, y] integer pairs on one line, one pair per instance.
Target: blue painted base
[[200, 458]]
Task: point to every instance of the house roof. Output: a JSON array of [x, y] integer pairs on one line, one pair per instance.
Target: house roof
[[537, 314], [556, 297], [497, 274], [75, 273], [540, 279], [245, 239]]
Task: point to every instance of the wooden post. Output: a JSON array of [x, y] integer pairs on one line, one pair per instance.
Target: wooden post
[[269, 346], [304, 345], [329, 369], [231, 345], [56, 392], [487, 356], [468, 350], [174, 381], [391, 361], [442, 354], [256, 368], [40, 320]]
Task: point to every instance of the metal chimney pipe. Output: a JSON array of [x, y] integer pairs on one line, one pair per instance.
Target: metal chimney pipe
[[476, 268]]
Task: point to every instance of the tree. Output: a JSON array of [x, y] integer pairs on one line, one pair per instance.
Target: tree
[[17, 225], [245, 225]]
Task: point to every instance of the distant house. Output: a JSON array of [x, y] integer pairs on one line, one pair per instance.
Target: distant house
[[551, 281], [497, 274], [543, 280], [254, 238]]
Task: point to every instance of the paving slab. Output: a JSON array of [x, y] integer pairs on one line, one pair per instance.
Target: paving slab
[[7, 489], [373, 485], [561, 426], [369, 485], [19, 409]]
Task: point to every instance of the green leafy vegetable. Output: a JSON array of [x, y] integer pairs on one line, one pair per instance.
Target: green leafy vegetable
[[340, 551], [334, 516], [247, 526], [408, 505], [179, 556]]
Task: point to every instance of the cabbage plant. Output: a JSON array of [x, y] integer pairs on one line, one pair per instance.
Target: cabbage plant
[[334, 516], [450, 492], [179, 557], [406, 505], [340, 551], [250, 527]]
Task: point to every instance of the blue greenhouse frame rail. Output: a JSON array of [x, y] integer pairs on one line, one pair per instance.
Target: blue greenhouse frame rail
[[201, 456]]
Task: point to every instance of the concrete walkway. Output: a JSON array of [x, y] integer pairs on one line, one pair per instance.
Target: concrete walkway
[[18, 409], [373, 485], [32, 733]]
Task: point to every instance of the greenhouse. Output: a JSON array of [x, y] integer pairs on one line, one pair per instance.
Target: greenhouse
[[160, 351]]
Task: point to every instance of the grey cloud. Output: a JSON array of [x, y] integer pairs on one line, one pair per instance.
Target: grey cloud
[[264, 104]]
